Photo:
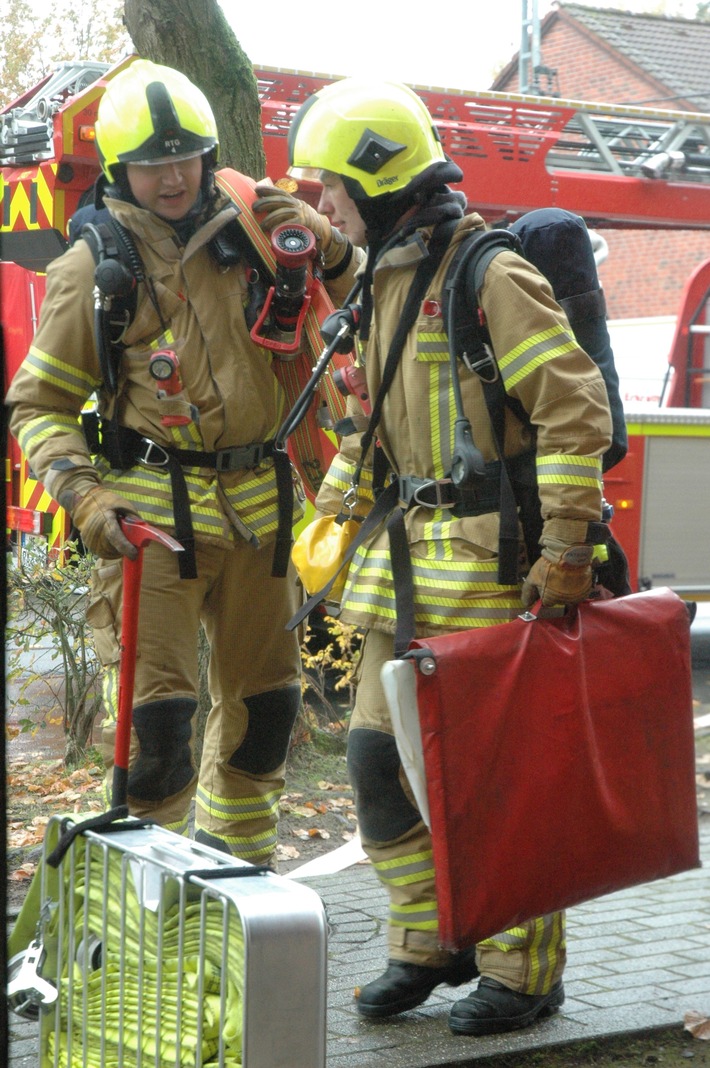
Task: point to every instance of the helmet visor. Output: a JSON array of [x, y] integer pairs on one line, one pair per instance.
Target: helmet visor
[[306, 174], [181, 158]]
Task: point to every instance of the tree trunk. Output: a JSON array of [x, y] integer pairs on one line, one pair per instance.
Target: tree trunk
[[194, 37]]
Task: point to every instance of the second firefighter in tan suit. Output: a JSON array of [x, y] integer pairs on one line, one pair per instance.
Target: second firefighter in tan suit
[[384, 174]]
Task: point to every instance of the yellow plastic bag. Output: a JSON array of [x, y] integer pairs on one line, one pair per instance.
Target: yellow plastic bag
[[319, 550]]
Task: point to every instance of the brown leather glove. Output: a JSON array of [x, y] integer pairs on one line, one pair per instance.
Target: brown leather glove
[[562, 575], [96, 514], [274, 207]]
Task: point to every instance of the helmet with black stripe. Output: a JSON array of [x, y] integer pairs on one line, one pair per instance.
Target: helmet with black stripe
[[152, 114]]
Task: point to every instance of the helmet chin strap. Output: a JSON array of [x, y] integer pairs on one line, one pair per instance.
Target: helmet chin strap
[[384, 214]]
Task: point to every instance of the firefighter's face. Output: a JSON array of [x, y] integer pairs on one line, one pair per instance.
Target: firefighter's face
[[169, 189], [341, 209]]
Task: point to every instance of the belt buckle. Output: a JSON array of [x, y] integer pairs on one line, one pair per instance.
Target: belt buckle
[[150, 447], [223, 459], [257, 453], [437, 483], [237, 457]]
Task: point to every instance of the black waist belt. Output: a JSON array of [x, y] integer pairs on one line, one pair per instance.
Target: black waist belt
[[124, 447], [479, 499], [236, 458]]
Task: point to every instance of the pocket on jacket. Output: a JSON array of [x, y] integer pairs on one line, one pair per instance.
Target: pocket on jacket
[[432, 340]]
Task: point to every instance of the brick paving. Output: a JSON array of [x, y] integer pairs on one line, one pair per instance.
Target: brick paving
[[637, 959]]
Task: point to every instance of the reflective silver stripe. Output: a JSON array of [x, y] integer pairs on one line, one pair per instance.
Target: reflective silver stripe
[[238, 809], [406, 870], [48, 426], [534, 351], [420, 917], [59, 374]]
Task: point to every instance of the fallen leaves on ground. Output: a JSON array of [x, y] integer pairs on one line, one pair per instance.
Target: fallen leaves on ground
[[697, 1023], [295, 806], [327, 817], [56, 788], [312, 832], [23, 874], [287, 852]]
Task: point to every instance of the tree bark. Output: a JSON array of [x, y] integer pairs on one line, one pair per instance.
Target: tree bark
[[194, 37]]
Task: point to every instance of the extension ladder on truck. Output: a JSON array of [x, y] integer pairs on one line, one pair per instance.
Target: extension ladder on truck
[[610, 163]]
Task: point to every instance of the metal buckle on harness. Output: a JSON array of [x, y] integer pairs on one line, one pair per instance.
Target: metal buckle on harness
[[439, 498], [149, 448], [486, 368], [412, 490]]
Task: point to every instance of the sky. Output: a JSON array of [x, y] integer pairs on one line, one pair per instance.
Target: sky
[[454, 44]]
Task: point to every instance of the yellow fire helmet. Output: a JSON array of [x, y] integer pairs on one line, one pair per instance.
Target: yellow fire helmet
[[379, 134], [150, 113]]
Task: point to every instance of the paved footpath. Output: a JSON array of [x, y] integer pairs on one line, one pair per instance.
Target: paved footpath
[[637, 959]]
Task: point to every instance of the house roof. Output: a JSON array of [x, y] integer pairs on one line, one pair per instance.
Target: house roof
[[673, 51]]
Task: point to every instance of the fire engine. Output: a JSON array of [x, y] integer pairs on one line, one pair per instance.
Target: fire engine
[[616, 166]]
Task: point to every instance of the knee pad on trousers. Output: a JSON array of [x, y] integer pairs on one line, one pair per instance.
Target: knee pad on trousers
[[384, 811], [271, 719], [164, 764]]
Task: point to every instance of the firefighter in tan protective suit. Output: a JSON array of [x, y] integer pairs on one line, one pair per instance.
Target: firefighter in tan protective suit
[[158, 146], [384, 175]]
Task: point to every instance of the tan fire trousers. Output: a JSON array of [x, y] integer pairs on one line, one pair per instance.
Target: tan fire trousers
[[254, 682]]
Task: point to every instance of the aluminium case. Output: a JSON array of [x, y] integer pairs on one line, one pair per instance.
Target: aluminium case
[[180, 955]]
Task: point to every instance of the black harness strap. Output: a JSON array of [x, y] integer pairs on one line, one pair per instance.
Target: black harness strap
[[438, 244], [468, 342], [388, 499], [113, 821]]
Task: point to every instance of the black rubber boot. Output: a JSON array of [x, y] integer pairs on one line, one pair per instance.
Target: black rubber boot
[[404, 986], [492, 1009]]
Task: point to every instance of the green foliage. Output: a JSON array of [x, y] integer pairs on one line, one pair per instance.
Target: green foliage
[[327, 686], [47, 605]]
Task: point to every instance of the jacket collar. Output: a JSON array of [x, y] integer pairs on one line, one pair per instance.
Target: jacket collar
[[161, 236]]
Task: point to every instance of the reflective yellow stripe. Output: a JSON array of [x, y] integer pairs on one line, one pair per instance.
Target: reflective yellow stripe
[[566, 470], [403, 871], [442, 415], [109, 691], [533, 352], [340, 476], [424, 916], [249, 847], [254, 500], [432, 347], [60, 374], [668, 428], [180, 827], [238, 809], [543, 940], [468, 584], [48, 426]]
